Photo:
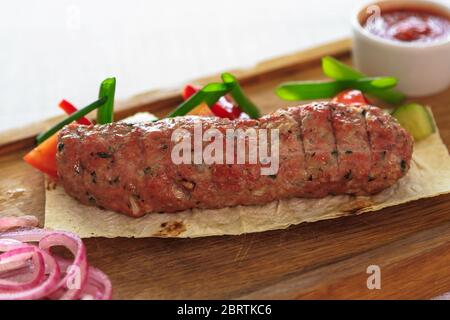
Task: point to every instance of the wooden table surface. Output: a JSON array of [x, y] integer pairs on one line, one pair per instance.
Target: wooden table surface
[[328, 259]]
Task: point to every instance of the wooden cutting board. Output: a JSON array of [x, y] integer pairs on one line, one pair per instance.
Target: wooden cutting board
[[328, 259]]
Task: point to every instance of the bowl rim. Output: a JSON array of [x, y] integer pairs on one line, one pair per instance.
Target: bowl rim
[[356, 24]]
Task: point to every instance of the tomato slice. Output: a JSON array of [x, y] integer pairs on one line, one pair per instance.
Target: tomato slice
[[351, 96], [43, 157]]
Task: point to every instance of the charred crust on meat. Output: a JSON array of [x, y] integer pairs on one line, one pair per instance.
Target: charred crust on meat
[[60, 147], [335, 153], [348, 151]]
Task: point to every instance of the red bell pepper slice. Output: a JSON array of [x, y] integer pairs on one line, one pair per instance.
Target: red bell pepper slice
[[188, 91], [69, 109], [351, 96], [43, 157]]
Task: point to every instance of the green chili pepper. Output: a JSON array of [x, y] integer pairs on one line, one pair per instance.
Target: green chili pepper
[[337, 70], [210, 94], [74, 116], [105, 113], [307, 90], [239, 97]]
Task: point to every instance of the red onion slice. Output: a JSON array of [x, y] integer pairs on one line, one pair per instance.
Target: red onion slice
[[8, 244], [26, 235], [50, 277], [44, 288], [15, 258], [7, 223], [98, 286], [76, 273], [38, 269]]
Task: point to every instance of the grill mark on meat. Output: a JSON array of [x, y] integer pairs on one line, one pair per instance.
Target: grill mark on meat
[[140, 187], [333, 129], [158, 168], [388, 139], [140, 161], [82, 172], [118, 174], [352, 146], [291, 171], [369, 141], [73, 178], [320, 148], [376, 158], [296, 114]]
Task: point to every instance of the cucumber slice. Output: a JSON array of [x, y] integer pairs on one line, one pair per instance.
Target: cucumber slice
[[416, 119]]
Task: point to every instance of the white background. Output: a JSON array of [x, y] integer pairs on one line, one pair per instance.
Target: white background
[[58, 49]]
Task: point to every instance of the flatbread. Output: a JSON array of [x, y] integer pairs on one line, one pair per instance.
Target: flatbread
[[428, 176]]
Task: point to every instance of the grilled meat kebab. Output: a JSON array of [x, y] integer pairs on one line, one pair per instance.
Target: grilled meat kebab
[[325, 149]]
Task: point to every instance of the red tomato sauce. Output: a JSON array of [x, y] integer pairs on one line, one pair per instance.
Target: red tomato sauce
[[409, 26]]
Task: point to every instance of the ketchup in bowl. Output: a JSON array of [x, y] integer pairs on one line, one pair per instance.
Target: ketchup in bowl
[[409, 26]]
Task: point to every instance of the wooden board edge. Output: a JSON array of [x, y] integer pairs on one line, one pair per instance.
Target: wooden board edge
[[152, 101]]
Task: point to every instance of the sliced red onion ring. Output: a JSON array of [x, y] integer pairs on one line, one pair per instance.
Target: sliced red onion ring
[[44, 288], [7, 223], [8, 244], [15, 258], [76, 273], [26, 235], [98, 286], [50, 277], [38, 269]]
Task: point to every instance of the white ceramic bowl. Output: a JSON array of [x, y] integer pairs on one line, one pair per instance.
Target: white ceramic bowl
[[422, 68]]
